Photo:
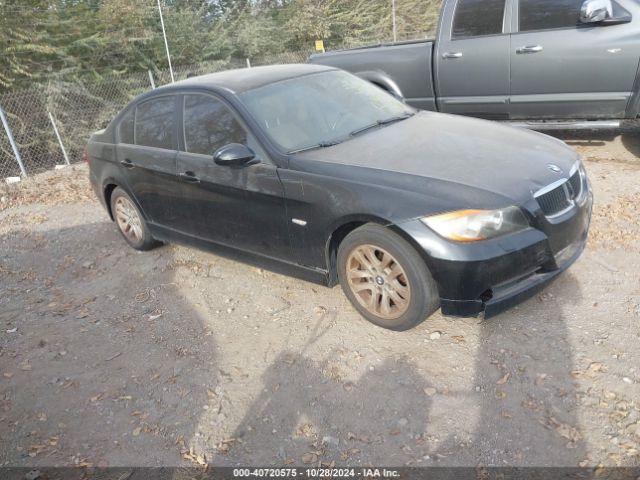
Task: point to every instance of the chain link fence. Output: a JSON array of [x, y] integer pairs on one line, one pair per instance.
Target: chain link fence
[[80, 107]]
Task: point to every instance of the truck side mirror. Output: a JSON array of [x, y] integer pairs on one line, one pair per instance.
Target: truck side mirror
[[596, 11]]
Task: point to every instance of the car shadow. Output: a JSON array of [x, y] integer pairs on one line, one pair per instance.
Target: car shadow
[[521, 409], [312, 416], [528, 396], [119, 362], [628, 135]]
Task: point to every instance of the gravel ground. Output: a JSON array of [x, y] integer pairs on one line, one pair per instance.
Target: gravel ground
[[109, 357]]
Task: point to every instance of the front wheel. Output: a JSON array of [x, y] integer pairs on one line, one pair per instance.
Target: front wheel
[[385, 278]]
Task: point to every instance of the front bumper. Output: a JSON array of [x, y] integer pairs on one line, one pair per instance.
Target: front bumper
[[492, 276]]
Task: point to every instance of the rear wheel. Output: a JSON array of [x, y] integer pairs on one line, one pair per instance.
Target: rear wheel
[[130, 221], [385, 279]]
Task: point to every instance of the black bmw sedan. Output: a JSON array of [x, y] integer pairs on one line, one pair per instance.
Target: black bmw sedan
[[322, 173]]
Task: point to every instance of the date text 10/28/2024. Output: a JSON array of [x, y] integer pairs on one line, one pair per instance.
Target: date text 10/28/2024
[[316, 472]]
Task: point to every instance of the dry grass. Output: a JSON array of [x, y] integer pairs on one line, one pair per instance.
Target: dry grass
[[69, 185]]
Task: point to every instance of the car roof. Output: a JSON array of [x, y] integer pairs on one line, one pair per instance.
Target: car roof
[[241, 80]]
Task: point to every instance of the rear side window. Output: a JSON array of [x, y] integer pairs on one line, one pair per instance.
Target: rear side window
[[209, 125], [547, 14], [125, 128], [474, 18], [155, 123]]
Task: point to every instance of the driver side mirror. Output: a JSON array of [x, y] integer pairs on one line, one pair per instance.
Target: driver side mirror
[[234, 155], [596, 11]]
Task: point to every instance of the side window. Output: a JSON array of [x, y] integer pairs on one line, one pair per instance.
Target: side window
[[474, 18], [209, 125], [155, 123], [546, 14], [125, 128]]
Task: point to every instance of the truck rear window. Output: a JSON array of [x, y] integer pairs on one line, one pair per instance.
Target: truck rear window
[[474, 18]]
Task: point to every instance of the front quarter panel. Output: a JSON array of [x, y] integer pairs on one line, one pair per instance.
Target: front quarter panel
[[323, 197]]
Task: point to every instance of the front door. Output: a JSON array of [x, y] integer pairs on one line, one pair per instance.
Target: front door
[[563, 69], [241, 207], [147, 152], [472, 59]]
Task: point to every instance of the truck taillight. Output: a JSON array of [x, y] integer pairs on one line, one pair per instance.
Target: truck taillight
[[85, 156]]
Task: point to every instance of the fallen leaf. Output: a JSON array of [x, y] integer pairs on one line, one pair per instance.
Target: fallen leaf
[[430, 391], [504, 379], [592, 370], [25, 366], [567, 431], [136, 431], [309, 457]]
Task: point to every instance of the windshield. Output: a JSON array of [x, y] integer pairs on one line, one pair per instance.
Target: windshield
[[322, 109]]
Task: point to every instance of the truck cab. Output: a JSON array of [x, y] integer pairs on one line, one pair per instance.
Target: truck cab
[[515, 60]]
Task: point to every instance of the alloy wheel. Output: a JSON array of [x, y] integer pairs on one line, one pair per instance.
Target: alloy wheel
[[378, 281], [128, 219]]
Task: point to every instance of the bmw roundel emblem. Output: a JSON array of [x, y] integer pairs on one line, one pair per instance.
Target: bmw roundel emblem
[[554, 168]]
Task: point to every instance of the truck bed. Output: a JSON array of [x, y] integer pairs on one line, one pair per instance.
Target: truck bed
[[408, 63]]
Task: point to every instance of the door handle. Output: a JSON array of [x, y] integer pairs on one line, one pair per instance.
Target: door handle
[[529, 49], [126, 163], [451, 55], [189, 177]]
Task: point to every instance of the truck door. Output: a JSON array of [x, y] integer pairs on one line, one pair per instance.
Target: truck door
[[563, 69], [472, 58]]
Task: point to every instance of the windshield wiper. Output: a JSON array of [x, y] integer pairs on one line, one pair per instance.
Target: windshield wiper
[[317, 145], [380, 123]]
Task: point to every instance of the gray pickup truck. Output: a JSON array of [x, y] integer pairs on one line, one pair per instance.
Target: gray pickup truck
[[542, 63]]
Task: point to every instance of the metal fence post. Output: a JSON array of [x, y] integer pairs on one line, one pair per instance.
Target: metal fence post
[[12, 142], [153, 84], [393, 20], [55, 129], [166, 45]]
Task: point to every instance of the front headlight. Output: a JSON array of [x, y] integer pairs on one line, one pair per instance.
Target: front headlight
[[476, 225]]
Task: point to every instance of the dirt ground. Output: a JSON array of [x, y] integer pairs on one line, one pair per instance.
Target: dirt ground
[[109, 357]]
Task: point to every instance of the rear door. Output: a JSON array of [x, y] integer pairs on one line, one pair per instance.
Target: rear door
[[147, 149], [563, 69], [472, 58], [242, 207]]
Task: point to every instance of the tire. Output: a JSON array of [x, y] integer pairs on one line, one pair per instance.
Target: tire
[[130, 221], [394, 290]]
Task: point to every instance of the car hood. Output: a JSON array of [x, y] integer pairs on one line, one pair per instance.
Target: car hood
[[504, 161]]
